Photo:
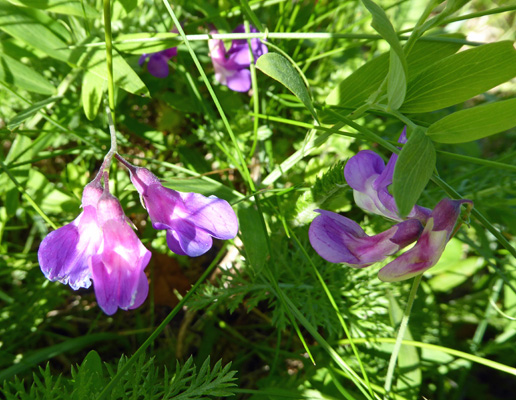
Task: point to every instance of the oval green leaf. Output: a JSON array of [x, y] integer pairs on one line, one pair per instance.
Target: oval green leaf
[[474, 123], [415, 165], [461, 76], [397, 83], [353, 91], [280, 69]]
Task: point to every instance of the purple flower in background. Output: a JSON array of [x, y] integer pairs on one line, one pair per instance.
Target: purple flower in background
[[158, 62], [232, 66], [430, 245], [340, 240], [118, 267], [98, 246], [190, 219], [64, 253], [370, 178]]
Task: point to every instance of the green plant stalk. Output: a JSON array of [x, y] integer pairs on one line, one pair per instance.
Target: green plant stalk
[[109, 56], [107, 389], [254, 85], [401, 334], [276, 35], [245, 170]]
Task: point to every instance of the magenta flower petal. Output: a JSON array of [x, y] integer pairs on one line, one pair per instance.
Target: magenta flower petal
[[360, 168], [429, 247], [369, 178], [158, 65], [63, 254], [118, 268], [191, 219], [340, 240], [240, 81]]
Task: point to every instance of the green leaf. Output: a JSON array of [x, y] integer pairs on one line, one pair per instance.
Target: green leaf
[[461, 76], [92, 88], [397, 83], [353, 91], [34, 28], [139, 43], [253, 236], [94, 60], [17, 74], [453, 269], [68, 7], [18, 119], [474, 123], [413, 170], [280, 69]]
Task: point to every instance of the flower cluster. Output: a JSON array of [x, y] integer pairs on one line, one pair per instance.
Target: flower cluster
[[341, 240], [100, 246], [231, 66]]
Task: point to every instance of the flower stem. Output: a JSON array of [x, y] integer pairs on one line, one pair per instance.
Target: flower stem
[[109, 56], [401, 334]]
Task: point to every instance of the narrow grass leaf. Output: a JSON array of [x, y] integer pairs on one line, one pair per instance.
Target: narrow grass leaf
[[397, 83], [474, 123], [413, 170], [19, 75], [47, 353], [461, 76], [75, 8], [34, 28], [408, 358], [91, 95], [18, 119], [138, 43], [280, 69]]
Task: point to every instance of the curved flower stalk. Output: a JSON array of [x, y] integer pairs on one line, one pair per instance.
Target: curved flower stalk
[[430, 245], [118, 267], [190, 219], [370, 178], [98, 246], [340, 240], [232, 66], [64, 253]]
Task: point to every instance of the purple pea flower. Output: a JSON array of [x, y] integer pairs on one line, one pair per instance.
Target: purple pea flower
[[429, 247], [158, 62], [64, 253], [118, 267], [340, 240], [98, 245], [190, 219], [367, 174], [232, 66]]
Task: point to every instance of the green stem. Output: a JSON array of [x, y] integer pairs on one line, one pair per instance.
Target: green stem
[[109, 56], [107, 389], [279, 36], [401, 334]]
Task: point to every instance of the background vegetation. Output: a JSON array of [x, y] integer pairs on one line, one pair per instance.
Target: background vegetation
[[251, 318]]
